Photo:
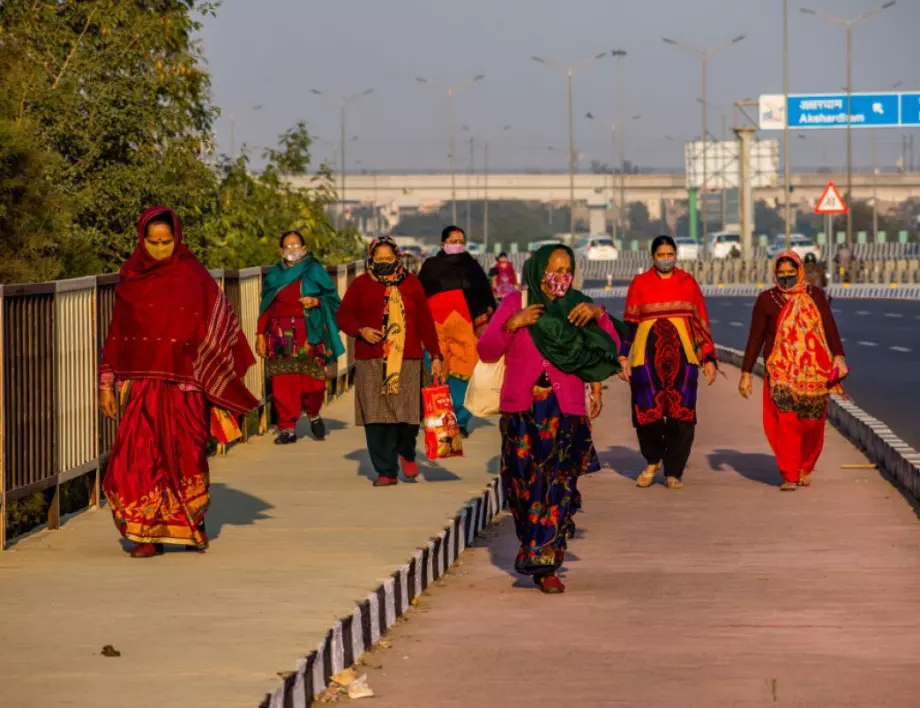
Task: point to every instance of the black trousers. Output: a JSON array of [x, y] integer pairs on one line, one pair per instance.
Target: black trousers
[[387, 442], [668, 441]]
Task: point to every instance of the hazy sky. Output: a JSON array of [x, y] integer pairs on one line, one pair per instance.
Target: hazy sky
[[273, 52]]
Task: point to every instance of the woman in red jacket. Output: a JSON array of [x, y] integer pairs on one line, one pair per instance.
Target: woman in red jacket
[[387, 313]]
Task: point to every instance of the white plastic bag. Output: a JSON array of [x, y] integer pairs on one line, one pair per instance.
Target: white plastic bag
[[483, 395]]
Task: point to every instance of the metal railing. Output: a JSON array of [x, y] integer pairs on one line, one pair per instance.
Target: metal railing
[[51, 430]]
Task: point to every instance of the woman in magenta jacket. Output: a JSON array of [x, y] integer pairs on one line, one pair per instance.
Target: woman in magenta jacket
[[555, 346]]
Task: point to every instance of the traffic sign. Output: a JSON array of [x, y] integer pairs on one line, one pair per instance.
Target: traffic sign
[[831, 202], [829, 110]]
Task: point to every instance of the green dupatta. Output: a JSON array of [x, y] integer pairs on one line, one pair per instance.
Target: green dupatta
[[314, 282], [588, 352]]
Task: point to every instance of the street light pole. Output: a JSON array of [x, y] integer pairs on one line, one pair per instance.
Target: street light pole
[[451, 90], [570, 73], [616, 134], [704, 55], [618, 114], [342, 102], [848, 27], [787, 218], [485, 140]]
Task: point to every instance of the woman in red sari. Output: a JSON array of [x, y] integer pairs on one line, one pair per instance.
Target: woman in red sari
[[667, 342], [174, 350], [793, 326]]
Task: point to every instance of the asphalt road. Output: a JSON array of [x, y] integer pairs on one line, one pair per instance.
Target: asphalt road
[[882, 343]]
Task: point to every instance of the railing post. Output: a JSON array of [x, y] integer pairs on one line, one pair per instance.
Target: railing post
[[3, 490]]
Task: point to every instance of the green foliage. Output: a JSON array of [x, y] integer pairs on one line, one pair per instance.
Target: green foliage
[[105, 109]]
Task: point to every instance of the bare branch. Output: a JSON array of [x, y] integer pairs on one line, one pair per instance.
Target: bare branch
[[73, 49]]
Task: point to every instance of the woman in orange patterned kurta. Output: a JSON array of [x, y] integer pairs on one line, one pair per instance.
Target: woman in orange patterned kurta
[[794, 328]]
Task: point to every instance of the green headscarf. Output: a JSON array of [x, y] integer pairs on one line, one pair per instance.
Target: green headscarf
[[588, 352], [314, 282]]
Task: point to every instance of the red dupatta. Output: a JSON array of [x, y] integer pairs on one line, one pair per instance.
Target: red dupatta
[[172, 322], [651, 297]]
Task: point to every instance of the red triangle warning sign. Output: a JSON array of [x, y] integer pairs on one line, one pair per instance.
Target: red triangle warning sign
[[831, 202]]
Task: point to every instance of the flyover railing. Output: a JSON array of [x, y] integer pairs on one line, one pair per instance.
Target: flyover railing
[[51, 429]]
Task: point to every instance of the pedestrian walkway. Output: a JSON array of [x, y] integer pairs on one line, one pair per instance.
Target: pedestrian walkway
[[298, 536], [725, 593]]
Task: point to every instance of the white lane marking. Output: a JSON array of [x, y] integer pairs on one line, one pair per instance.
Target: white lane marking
[[863, 312], [867, 344], [835, 310], [900, 349], [893, 314], [715, 321], [736, 324]]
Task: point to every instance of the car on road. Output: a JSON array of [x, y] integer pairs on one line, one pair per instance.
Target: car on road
[[596, 248], [535, 246], [800, 243], [722, 243], [475, 249], [413, 250], [687, 248]]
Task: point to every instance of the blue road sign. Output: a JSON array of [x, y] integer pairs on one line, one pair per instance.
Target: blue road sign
[[829, 110]]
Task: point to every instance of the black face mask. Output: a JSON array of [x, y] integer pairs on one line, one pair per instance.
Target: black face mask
[[787, 281], [384, 269]]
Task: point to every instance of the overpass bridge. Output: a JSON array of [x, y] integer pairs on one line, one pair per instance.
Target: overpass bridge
[[406, 193], [735, 593]]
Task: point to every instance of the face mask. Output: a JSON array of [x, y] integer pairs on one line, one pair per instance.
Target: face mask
[[292, 255], [665, 265], [454, 249], [383, 268], [558, 284], [160, 251], [787, 282]]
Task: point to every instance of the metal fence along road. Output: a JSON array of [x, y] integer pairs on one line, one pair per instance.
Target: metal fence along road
[[51, 430]]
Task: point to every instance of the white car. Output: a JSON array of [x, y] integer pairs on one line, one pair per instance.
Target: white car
[[475, 249], [687, 248], [800, 243], [722, 243], [596, 248]]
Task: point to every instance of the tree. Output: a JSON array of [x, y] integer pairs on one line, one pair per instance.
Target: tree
[[640, 223]]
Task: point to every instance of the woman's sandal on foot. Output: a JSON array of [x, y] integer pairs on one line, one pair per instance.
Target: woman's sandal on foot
[[549, 584], [647, 477]]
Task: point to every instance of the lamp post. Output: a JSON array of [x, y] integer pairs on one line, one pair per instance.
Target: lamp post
[[616, 135], [342, 102], [723, 137], [704, 56], [848, 29], [569, 71], [232, 120], [451, 90], [485, 140]]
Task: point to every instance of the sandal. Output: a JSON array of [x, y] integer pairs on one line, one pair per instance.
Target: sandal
[[788, 487], [647, 477], [804, 479], [147, 550], [674, 483]]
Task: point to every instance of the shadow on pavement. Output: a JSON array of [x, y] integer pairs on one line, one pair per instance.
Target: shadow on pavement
[[755, 466], [625, 461], [429, 471], [231, 507]]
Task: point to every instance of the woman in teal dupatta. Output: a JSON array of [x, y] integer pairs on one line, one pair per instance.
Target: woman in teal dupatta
[[297, 335]]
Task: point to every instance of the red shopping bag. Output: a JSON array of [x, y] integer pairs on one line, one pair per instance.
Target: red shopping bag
[[442, 431]]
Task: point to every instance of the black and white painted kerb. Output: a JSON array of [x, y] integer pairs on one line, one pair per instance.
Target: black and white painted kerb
[[354, 634], [893, 456]]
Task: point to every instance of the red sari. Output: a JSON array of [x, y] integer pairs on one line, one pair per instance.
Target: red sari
[[176, 349]]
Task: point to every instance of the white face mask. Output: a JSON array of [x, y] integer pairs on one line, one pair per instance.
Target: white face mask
[[292, 255]]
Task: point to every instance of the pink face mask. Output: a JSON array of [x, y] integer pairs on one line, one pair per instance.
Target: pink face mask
[[558, 284], [454, 249]]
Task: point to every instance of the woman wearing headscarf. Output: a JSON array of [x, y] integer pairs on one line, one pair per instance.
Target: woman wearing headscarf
[[505, 281], [386, 311], [298, 336], [668, 340], [174, 350], [461, 302], [555, 346], [793, 327]]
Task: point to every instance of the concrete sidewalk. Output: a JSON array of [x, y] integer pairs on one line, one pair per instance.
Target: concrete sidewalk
[[298, 536], [725, 593]]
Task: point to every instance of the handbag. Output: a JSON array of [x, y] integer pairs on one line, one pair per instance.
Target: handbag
[[483, 396], [442, 431]]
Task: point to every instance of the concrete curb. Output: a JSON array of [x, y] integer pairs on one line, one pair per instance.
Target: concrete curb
[[353, 635], [894, 457], [853, 292]]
